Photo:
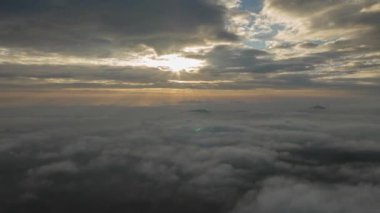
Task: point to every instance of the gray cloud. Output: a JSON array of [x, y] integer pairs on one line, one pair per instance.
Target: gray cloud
[[277, 155], [327, 36], [240, 157], [238, 59], [283, 195], [30, 73], [332, 18], [333, 40], [93, 27]]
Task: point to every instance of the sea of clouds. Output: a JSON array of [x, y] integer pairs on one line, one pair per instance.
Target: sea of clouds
[[234, 157]]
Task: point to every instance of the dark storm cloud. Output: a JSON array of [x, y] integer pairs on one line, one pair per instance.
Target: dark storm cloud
[[97, 27], [237, 158]]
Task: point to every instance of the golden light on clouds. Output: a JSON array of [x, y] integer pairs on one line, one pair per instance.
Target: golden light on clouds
[[155, 96], [173, 63], [170, 62], [200, 82]]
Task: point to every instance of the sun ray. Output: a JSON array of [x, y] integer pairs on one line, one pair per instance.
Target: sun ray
[[174, 63]]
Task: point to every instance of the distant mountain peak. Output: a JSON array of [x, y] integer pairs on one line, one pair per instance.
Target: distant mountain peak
[[319, 107]]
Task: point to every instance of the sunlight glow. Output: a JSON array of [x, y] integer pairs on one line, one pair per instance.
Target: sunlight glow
[[171, 62], [200, 82], [174, 63]]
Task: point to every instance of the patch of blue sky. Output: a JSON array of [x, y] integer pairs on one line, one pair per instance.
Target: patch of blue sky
[[252, 5], [256, 44]]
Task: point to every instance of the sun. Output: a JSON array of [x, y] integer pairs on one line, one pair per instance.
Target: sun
[[174, 63]]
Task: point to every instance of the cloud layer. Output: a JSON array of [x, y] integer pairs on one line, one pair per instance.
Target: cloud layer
[[239, 44], [279, 156], [98, 27]]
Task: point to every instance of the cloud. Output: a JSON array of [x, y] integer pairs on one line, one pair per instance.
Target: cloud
[[55, 168], [239, 44], [286, 195], [93, 27], [239, 157], [250, 60], [345, 23], [63, 76], [307, 44]]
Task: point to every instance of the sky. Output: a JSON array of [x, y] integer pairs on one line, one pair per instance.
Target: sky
[[191, 106], [189, 44]]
